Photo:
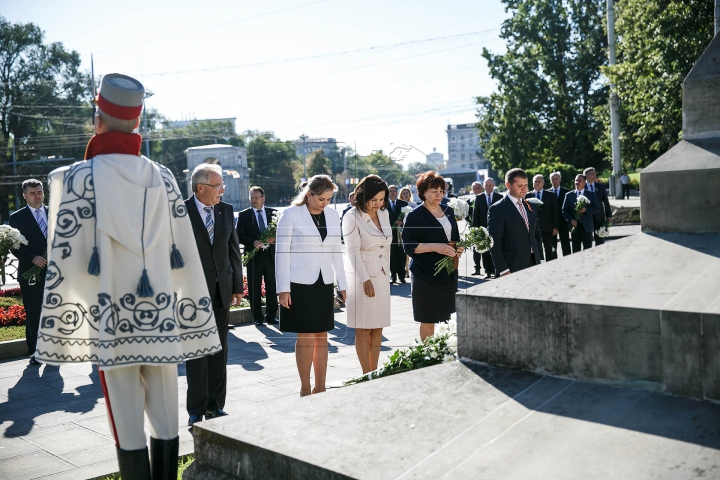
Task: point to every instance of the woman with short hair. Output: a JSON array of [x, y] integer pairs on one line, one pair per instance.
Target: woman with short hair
[[308, 259], [368, 236], [406, 195], [426, 237]]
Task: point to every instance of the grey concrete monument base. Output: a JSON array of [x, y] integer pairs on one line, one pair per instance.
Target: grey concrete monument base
[[464, 421], [642, 312]]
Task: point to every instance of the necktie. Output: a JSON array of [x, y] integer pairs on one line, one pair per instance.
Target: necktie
[[524, 214], [41, 223], [489, 199], [261, 222], [557, 192], [592, 187], [209, 222], [392, 206]]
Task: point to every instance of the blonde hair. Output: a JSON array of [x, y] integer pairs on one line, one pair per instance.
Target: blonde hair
[[117, 125], [317, 185], [405, 189]]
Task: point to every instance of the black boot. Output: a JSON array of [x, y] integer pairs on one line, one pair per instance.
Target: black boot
[[134, 464], [164, 455]]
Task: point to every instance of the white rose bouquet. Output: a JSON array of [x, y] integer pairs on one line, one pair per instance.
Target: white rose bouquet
[[270, 232], [401, 218], [580, 202], [604, 230]]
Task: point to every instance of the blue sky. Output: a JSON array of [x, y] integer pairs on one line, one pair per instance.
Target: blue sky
[[249, 59]]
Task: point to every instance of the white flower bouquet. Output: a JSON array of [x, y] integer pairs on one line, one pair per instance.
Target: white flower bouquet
[[401, 218], [460, 208], [10, 239], [438, 348], [477, 237], [580, 202], [535, 201], [269, 233], [604, 230]]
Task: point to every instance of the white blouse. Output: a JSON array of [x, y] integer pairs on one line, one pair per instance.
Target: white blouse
[[447, 226]]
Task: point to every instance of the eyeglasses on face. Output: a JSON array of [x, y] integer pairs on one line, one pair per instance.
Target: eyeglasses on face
[[220, 186]]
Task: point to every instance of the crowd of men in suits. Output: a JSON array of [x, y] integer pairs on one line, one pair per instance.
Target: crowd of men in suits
[[527, 233]]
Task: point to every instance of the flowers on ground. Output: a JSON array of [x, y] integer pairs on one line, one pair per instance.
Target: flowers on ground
[[436, 349]]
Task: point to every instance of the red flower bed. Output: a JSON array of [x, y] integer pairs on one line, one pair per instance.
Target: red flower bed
[[11, 292], [246, 293], [13, 315]]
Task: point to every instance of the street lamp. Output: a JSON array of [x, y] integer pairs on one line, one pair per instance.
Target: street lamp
[[304, 137]]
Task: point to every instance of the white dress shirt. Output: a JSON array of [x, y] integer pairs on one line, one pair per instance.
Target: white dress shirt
[[201, 208], [591, 187], [538, 194]]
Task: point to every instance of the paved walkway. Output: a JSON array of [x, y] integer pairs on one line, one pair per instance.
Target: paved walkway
[[53, 420]]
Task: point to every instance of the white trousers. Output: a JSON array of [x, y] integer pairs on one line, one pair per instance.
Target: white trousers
[[132, 391]]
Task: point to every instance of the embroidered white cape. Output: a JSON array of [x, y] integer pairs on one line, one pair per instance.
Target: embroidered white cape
[[131, 209]]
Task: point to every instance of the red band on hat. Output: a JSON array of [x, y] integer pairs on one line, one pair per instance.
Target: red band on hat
[[117, 111]]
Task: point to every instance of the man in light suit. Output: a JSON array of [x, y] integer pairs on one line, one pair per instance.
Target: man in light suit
[[252, 223], [605, 213], [219, 248], [563, 228], [548, 216], [483, 202], [397, 254], [513, 225], [582, 231], [32, 220]]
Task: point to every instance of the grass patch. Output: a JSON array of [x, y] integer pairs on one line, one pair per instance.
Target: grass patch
[[183, 463], [14, 332], [10, 301]]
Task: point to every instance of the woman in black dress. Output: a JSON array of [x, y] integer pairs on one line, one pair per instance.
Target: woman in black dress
[[426, 236], [308, 260]]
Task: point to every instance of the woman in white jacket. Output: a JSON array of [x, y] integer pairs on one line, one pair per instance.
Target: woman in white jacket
[[368, 236], [308, 259]]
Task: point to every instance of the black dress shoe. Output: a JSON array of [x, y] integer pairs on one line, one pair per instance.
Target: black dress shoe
[[476, 272], [215, 413], [33, 361], [272, 321], [259, 323], [194, 419], [402, 280], [487, 276]]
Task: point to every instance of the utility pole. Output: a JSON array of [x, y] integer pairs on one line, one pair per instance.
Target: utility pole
[[148, 94], [304, 137], [615, 187], [717, 16], [14, 161]]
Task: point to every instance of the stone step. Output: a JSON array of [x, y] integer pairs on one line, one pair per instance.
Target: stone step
[[464, 420]]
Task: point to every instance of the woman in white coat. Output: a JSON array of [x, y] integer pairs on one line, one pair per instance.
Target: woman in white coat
[[308, 259], [368, 236]]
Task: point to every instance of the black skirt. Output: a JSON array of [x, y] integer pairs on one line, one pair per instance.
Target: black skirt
[[312, 309], [433, 303]]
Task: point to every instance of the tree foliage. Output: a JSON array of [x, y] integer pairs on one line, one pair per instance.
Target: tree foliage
[[317, 163], [657, 44], [274, 165], [548, 86]]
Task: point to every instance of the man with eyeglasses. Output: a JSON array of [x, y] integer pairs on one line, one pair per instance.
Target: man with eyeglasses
[[217, 242]]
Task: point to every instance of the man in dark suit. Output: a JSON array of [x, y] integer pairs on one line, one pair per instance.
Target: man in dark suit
[[582, 231], [477, 190], [252, 222], [563, 229], [219, 248], [548, 216], [32, 221], [513, 225], [480, 219], [397, 254], [605, 213]]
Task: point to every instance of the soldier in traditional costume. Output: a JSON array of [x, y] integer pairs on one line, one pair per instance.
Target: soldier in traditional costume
[[122, 285]]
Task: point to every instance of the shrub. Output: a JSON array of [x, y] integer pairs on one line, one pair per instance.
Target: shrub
[[11, 292], [567, 173]]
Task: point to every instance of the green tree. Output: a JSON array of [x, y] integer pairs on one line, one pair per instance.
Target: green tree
[[548, 86], [657, 45], [317, 163], [273, 165]]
